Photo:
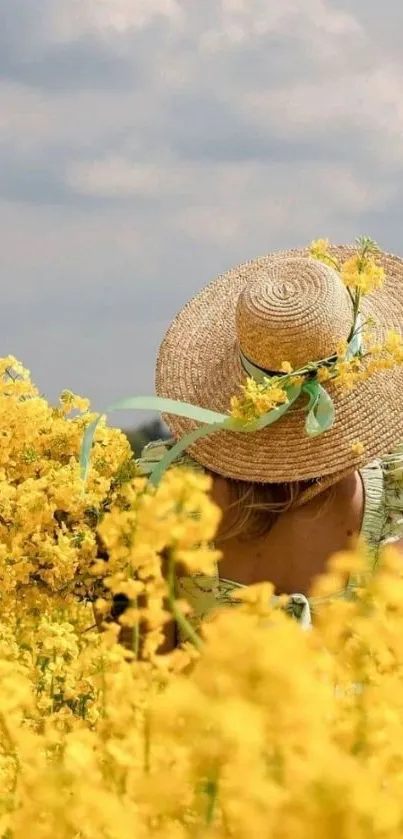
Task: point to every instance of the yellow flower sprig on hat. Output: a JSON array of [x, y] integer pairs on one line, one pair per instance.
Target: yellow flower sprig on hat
[[360, 272], [347, 367], [257, 399]]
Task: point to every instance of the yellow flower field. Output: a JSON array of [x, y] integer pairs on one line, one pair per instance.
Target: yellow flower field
[[256, 730]]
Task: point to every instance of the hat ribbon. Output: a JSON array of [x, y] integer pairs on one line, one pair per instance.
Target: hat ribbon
[[320, 414]]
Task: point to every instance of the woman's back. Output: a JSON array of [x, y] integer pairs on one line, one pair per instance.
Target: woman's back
[[297, 547]]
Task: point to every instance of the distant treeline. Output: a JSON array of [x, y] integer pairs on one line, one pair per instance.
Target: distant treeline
[[141, 435]]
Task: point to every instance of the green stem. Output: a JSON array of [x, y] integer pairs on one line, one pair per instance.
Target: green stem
[[333, 261], [180, 619], [351, 295], [10, 374], [212, 794], [357, 301]]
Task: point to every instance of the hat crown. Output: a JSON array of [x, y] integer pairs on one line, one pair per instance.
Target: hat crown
[[293, 309]]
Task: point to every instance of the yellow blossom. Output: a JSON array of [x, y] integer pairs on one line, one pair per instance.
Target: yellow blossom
[[394, 344], [323, 374], [358, 448], [71, 401], [362, 274], [199, 560], [319, 249], [257, 399], [346, 374], [342, 348], [286, 367], [47, 524]]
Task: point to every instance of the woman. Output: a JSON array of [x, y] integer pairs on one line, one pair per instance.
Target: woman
[[301, 338]]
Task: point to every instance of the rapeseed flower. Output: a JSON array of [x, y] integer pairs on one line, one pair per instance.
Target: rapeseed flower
[[260, 730]]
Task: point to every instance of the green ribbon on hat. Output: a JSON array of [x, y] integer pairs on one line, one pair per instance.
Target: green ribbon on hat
[[319, 418]]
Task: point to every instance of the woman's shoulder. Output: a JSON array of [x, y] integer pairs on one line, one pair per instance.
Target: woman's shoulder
[[154, 451]]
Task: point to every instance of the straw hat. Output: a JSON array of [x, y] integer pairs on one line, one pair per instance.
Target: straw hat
[[282, 307]]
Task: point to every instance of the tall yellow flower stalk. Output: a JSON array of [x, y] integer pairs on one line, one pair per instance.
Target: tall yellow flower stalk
[[47, 524]]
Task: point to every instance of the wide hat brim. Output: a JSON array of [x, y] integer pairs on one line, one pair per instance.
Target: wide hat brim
[[199, 363]]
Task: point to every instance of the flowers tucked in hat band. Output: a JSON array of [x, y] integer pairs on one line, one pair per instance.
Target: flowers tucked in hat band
[[351, 349], [264, 398], [265, 390]]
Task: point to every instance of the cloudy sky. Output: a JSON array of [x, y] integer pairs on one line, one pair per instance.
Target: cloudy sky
[[147, 145]]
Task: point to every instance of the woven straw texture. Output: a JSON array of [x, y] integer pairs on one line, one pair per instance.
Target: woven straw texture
[[282, 307]]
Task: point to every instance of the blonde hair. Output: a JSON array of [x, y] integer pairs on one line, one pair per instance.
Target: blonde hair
[[255, 507]]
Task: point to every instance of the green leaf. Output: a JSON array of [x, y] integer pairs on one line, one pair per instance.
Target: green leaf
[[146, 403], [320, 409], [355, 343]]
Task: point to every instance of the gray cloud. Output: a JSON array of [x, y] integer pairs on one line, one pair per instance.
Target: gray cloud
[[72, 66]]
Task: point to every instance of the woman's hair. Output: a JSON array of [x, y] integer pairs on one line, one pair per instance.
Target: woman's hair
[[254, 507]]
